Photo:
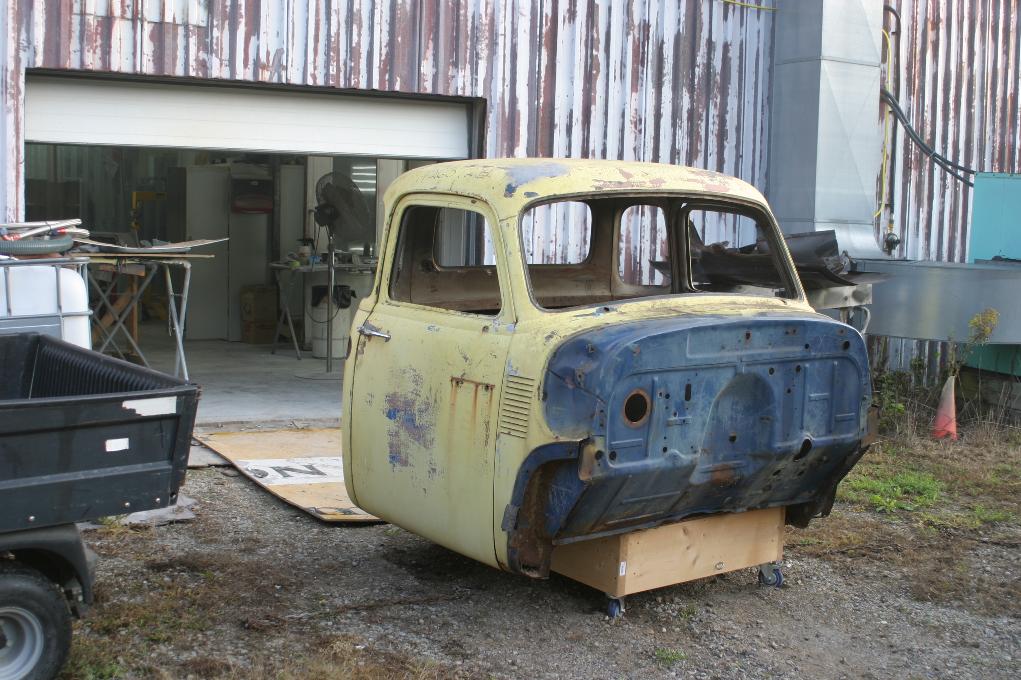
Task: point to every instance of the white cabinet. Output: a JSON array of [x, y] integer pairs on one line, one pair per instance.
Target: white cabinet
[[199, 207]]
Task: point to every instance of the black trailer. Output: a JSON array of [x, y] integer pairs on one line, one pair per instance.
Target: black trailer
[[82, 436]]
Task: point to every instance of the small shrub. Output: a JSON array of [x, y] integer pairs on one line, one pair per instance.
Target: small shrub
[[892, 392]]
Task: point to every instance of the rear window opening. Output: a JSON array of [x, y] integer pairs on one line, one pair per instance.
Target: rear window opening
[[603, 250]]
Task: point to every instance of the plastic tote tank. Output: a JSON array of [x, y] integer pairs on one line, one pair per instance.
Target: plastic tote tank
[[46, 296]]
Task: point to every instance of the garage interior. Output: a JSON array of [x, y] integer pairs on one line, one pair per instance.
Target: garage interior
[[267, 160]]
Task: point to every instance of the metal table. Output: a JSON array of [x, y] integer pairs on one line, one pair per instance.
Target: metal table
[[278, 269], [146, 266]]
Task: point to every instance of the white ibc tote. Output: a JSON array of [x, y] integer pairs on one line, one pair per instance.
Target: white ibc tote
[[44, 296]]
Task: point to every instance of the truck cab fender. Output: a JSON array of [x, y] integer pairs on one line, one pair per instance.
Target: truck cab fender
[[533, 515]]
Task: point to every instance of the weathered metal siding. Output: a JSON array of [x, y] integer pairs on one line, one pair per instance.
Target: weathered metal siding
[[679, 82], [959, 69]]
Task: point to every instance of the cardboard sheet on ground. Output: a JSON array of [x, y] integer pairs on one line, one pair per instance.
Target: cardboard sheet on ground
[[301, 467]]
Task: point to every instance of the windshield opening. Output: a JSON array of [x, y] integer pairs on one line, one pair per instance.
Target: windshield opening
[[594, 251]]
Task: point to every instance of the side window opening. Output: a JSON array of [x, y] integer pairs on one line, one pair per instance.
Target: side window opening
[[444, 260], [729, 251]]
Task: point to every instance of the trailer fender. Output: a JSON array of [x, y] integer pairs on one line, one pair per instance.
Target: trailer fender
[[59, 553]]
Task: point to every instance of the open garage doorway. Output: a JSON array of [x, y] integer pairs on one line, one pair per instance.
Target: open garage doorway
[[125, 160]]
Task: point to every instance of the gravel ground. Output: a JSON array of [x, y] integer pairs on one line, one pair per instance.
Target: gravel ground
[[253, 583]]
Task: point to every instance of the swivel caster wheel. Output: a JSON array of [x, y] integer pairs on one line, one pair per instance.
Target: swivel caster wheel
[[614, 607], [771, 575]]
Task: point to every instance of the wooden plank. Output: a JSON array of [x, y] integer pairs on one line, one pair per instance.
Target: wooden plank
[[674, 553], [119, 303], [114, 268], [595, 563]]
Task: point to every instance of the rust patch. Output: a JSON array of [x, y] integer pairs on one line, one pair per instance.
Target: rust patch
[[529, 540], [872, 427], [723, 475], [474, 429]]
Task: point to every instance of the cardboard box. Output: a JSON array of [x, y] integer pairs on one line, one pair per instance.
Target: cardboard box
[[258, 332], [259, 304]]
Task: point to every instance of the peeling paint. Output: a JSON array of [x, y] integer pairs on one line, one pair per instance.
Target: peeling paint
[[413, 419], [523, 174]]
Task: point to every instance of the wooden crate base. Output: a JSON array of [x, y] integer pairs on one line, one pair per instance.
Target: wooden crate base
[[674, 553]]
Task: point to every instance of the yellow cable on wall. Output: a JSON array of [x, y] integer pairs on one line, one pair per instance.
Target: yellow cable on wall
[[886, 131]]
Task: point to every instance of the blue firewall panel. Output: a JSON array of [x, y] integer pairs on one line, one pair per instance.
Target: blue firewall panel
[[730, 414]]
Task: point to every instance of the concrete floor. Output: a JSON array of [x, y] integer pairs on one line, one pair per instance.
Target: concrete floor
[[244, 383]]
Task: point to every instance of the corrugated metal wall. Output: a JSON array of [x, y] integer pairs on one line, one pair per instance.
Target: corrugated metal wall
[[682, 82], [679, 82], [959, 66]]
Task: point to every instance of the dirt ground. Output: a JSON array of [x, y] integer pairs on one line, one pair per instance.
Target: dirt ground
[[255, 588]]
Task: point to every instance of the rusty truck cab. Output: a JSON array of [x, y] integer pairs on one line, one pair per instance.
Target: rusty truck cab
[[557, 350]]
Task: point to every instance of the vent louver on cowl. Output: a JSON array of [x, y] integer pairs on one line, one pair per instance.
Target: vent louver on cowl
[[515, 407]]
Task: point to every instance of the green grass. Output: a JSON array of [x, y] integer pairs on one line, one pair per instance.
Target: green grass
[[983, 515], [905, 490], [668, 657], [92, 659]]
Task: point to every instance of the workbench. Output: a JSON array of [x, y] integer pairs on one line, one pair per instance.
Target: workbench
[[119, 309], [286, 289]]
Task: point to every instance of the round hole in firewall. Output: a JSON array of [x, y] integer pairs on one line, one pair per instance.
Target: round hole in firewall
[[636, 408]]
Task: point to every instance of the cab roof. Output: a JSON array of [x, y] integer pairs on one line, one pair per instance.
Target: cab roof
[[509, 184]]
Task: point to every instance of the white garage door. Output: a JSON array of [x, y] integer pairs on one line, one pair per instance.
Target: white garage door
[[90, 111]]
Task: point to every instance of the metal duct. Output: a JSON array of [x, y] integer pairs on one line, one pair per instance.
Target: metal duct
[[824, 142]]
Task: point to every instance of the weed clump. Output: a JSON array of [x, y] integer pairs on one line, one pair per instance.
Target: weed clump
[[907, 490], [668, 657]]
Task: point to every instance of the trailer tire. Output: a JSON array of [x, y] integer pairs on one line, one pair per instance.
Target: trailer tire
[[35, 624]]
